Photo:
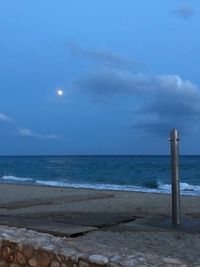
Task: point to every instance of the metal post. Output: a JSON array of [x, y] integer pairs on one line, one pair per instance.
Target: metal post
[[176, 213]]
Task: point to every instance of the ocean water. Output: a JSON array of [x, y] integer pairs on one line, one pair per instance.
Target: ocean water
[[132, 173]]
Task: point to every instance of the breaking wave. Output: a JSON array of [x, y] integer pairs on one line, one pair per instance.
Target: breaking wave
[[186, 189], [17, 179]]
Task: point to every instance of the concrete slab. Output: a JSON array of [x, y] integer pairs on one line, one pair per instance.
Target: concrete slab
[[45, 225], [95, 219], [66, 224]]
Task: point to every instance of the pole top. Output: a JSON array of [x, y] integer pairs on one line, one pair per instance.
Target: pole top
[[174, 135], [174, 131]]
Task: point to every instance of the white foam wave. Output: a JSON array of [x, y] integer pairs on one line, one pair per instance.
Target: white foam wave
[[99, 186], [50, 183], [185, 187], [14, 178], [92, 186]]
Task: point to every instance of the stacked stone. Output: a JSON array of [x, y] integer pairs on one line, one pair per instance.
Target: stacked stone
[[16, 255], [27, 248]]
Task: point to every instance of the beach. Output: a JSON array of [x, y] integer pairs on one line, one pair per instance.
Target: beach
[[99, 126], [138, 203], [114, 223]]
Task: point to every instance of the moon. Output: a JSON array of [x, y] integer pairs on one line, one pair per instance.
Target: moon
[[60, 92]]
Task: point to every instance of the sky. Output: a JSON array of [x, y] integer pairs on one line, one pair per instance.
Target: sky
[[129, 72]]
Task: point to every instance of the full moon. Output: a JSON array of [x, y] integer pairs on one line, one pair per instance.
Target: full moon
[[59, 92]]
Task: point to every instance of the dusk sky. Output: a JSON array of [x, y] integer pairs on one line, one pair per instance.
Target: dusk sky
[[129, 71]]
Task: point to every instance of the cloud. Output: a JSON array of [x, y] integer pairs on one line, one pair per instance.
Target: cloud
[[4, 118], [164, 101], [102, 55], [30, 133], [184, 11], [107, 81]]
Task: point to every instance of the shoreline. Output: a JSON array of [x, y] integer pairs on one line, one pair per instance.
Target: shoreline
[[184, 193]]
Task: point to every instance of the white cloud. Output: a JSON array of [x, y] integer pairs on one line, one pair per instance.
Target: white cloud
[[4, 118], [30, 133]]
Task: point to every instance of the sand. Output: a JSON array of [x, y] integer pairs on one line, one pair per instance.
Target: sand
[[150, 233]]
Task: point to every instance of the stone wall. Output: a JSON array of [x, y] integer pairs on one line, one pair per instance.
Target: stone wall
[[27, 248]]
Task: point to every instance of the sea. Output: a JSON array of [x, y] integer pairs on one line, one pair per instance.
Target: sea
[[128, 173]]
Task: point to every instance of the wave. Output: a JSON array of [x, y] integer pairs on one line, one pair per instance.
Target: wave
[[186, 189], [50, 183], [14, 178], [96, 186], [183, 187]]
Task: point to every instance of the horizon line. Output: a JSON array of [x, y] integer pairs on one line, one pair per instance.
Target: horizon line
[[90, 155]]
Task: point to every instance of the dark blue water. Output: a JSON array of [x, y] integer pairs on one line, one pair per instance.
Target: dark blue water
[[135, 173]]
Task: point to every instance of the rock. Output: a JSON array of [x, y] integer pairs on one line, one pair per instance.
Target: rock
[[82, 256], [55, 264], [14, 265], [58, 258], [74, 259], [28, 251], [3, 263], [130, 262], [44, 259], [116, 258], [83, 264], [67, 252], [20, 247], [33, 262], [113, 265], [49, 247], [4, 254], [9, 250], [141, 259], [98, 259], [171, 261], [20, 258]]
